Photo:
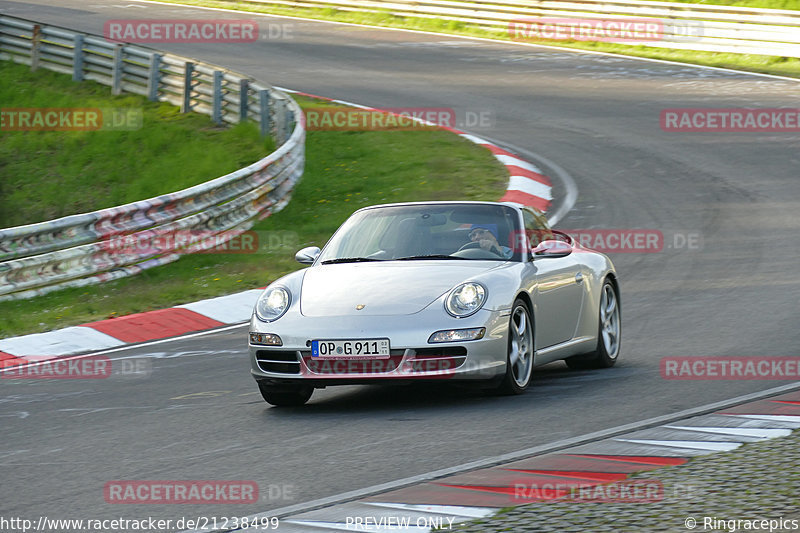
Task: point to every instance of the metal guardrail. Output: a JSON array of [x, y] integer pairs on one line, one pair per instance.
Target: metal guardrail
[[687, 26], [78, 250]]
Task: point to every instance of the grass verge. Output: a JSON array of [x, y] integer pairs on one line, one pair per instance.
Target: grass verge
[[781, 66], [792, 5], [344, 171], [50, 174]]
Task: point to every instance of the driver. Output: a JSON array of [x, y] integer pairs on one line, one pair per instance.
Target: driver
[[486, 236]]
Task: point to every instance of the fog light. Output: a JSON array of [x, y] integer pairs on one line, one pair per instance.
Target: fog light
[[265, 339], [457, 335]]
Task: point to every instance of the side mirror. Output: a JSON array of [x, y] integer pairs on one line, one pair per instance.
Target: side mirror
[[307, 255], [552, 249]]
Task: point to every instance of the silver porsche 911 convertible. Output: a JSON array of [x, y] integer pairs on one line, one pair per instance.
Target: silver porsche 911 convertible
[[478, 291]]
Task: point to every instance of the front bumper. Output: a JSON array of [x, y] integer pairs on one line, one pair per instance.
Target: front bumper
[[412, 357]]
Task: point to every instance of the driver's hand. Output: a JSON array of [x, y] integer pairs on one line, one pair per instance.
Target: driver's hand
[[490, 246]]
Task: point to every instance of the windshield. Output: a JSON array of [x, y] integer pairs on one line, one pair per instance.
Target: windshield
[[431, 231]]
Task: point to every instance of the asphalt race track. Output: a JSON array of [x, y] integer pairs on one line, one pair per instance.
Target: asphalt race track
[[198, 414]]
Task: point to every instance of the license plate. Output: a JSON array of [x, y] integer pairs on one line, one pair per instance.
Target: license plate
[[350, 348]]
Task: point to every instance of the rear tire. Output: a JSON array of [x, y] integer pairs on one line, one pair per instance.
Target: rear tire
[[519, 358], [283, 397], [609, 333]]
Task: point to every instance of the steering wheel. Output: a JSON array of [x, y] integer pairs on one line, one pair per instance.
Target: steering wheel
[[476, 245], [469, 245]]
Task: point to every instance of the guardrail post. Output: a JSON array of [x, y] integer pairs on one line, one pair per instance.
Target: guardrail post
[[216, 98], [36, 43], [244, 91], [187, 87], [264, 119], [116, 70], [280, 120], [77, 58], [154, 77], [289, 121]]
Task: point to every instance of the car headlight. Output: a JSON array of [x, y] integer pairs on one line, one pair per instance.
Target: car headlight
[[465, 299], [272, 304]]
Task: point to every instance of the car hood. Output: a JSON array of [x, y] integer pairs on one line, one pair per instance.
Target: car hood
[[383, 288]]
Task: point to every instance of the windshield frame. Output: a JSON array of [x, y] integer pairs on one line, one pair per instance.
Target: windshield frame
[[511, 213]]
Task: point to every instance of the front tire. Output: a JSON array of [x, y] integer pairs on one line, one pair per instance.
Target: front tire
[[609, 333], [282, 397], [519, 359]]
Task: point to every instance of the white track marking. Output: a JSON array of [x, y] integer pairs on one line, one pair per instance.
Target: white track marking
[[762, 433], [339, 526], [144, 344], [74, 339], [230, 309], [517, 162], [474, 138], [689, 444], [452, 510], [794, 419], [530, 186]]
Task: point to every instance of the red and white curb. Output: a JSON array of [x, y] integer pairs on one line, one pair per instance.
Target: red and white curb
[[140, 327], [598, 469], [527, 186]]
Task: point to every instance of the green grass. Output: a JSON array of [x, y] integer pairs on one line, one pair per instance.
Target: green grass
[[768, 4], [50, 174], [344, 171], [781, 66]]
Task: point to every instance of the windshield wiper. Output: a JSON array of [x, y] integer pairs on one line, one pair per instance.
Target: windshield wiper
[[432, 256], [350, 260]]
